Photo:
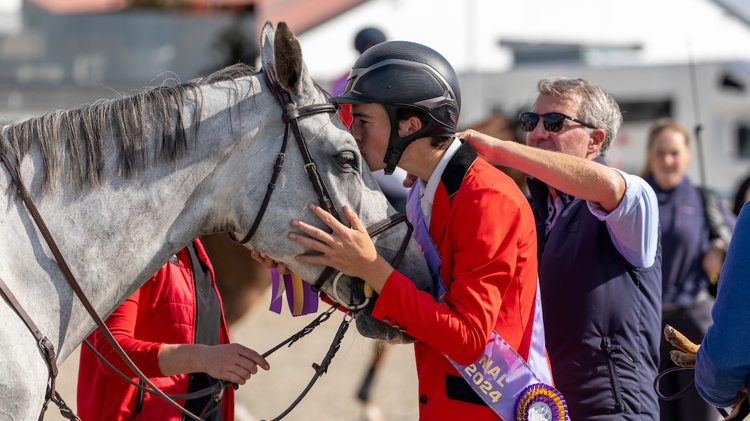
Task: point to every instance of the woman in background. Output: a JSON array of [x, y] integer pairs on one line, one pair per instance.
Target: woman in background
[[694, 236]]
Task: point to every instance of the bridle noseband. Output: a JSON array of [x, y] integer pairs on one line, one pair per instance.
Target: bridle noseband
[[291, 117]]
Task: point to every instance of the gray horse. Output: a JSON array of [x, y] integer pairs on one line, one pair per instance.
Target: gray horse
[[124, 184]]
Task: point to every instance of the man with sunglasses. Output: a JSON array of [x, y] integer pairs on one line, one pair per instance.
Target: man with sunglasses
[[598, 251]]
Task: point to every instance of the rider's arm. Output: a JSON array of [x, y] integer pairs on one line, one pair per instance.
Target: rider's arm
[[493, 249], [122, 324], [723, 360]]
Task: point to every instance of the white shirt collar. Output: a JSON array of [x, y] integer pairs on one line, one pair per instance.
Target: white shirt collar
[[427, 190]]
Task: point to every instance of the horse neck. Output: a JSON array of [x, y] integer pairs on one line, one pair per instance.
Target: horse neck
[[117, 235]]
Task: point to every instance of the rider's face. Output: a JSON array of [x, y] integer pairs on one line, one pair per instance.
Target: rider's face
[[371, 129]]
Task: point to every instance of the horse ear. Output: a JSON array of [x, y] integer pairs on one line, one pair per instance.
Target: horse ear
[[266, 43], [290, 69]]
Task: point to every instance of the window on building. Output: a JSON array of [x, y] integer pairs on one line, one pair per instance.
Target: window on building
[[645, 110]]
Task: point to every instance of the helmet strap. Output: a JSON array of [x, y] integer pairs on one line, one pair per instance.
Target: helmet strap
[[397, 144]]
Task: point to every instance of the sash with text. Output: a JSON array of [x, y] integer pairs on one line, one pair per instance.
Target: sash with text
[[514, 388]]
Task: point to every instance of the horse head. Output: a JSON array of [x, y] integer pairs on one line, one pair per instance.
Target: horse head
[[344, 175]]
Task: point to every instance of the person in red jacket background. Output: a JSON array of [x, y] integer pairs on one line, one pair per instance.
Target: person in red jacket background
[[480, 353], [173, 329]]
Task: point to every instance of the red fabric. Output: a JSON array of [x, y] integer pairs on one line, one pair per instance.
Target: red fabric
[[345, 115], [161, 311], [337, 88], [487, 241]]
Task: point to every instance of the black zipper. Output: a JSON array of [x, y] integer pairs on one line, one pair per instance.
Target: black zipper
[[615, 382]]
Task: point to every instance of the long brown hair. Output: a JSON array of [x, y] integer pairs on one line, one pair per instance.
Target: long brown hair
[[656, 129]]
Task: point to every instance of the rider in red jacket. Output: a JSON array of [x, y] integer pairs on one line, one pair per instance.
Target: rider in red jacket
[[175, 336], [475, 229]]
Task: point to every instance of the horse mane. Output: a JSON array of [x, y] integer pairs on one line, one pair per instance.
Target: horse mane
[[75, 139]]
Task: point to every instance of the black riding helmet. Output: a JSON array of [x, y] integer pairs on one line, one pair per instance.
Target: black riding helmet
[[406, 75]]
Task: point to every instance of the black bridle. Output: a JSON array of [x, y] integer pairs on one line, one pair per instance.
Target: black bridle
[[291, 117]]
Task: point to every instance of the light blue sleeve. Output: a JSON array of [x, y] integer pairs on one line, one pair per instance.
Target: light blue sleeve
[[634, 224], [723, 361]]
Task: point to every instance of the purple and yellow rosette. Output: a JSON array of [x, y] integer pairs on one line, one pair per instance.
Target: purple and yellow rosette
[[541, 402]]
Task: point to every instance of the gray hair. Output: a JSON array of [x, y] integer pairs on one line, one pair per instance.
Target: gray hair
[[597, 107]]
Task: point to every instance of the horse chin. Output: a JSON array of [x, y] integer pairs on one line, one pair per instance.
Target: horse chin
[[371, 327]]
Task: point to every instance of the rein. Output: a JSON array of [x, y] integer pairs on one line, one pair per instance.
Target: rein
[[743, 411], [48, 350], [46, 345], [678, 394], [218, 388]]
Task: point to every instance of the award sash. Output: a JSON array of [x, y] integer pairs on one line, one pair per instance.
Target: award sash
[[515, 389]]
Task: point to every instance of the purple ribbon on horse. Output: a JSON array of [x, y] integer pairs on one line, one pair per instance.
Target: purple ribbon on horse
[[300, 297]]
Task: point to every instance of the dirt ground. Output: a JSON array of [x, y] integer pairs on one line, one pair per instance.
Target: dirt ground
[[334, 396]]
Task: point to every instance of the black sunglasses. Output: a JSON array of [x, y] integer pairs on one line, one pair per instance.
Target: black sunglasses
[[553, 122]]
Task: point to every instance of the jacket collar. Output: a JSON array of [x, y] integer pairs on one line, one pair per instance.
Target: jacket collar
[[450, 181]]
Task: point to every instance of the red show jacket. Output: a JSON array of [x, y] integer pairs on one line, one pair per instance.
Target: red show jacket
[[161, 311], [484, 230]]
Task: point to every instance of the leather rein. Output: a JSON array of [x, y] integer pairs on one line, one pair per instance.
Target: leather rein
[[44, 344], [742, 412], [290, 117]]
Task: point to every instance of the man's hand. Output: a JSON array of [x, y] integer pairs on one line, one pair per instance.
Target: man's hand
[[409, 180], [686, 358], [714, 258], [230, 362], [485, 145], [270, 263]]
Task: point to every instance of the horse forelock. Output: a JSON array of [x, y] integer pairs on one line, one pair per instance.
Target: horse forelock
[[72, 142]]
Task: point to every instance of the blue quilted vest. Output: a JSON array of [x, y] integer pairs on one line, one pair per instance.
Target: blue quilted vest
[[602, 315]]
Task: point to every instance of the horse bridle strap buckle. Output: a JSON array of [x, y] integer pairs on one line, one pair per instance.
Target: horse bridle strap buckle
[[48, 351]]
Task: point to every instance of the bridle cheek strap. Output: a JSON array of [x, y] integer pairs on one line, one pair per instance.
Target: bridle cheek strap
[[291, 117]]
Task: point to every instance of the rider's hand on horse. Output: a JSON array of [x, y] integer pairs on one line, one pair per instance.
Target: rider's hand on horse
[[686, 358], [269, 263], [348, 250], [230, 362]]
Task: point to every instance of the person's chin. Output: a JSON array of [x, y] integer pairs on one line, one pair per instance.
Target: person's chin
[[374, 166]]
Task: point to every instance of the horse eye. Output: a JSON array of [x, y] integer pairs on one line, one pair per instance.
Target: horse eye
[[346, 159]]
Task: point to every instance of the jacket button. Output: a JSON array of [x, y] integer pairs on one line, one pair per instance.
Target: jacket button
[[387, 320], [423, 399]]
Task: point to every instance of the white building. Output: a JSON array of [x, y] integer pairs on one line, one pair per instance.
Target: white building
[[641, 51]]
